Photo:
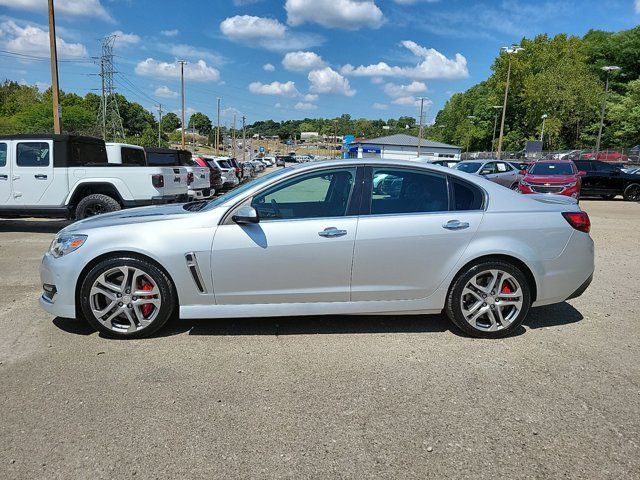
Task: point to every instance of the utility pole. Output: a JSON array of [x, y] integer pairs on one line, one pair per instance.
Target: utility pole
[[55, 88], [244, 138], [218, 129], [495, 126], [609, 69], [159, 123], [509, 51], [421, 124], [233, 136], [182, 62]]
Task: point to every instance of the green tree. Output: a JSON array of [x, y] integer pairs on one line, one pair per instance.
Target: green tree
[[201, 123], [170, 122]]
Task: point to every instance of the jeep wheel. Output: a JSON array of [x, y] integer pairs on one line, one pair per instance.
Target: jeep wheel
[[95, 204]]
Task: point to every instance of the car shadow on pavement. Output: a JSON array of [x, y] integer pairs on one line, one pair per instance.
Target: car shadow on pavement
[[549, 316], [30, 226]]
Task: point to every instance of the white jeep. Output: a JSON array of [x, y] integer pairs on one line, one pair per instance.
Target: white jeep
[[69, 176]]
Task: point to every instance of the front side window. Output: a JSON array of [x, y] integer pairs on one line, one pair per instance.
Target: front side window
[[605, 167], [3, 154], [133, 156], [488, 168], [406, 191], [33, 154], [316, 195], [503, 167]]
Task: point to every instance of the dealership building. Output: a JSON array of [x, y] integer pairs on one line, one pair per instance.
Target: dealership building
[[401, 147]]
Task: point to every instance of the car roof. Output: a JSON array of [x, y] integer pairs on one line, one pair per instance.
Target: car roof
[[549, 160]]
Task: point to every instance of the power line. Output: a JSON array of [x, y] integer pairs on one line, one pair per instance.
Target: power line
[[33, 57]]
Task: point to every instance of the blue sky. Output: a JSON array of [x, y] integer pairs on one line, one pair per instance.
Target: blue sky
[[286, 59]]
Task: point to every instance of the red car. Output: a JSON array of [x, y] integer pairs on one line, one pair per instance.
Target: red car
[[215, 175], [560, 177], [605, 156]]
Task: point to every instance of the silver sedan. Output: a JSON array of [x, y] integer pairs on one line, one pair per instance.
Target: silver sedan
[[317, 238], [498, 171]]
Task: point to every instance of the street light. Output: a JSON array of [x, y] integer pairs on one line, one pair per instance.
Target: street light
[[495, 126], [609, 69], [544, 117], [510, 51]]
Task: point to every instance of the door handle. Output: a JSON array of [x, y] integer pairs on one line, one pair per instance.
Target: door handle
[[455, 225], [4, 177], [15, 177], [41, 176], [332, 232]]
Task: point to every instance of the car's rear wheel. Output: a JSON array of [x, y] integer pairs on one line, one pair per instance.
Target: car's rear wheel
[[632, 192], [127, 297], [489, 299], [95, 204]]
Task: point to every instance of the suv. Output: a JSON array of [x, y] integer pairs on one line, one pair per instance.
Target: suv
[[552, 176], [215, 174], [197, 176], [229, 177], [497, 171], [70, 176], [604, 180]]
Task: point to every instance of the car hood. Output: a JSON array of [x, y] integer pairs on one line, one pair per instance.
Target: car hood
[[552, 179], [130, 216]]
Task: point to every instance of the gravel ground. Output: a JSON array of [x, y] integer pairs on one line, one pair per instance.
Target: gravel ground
[[347, 397]]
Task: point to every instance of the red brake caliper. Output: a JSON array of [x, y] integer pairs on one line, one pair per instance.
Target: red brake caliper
[[147, 308], [506, 288]]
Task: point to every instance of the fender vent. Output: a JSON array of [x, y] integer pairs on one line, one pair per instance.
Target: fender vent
[[192, 265]]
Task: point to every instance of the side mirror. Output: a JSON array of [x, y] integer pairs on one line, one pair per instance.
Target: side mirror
[[581, 173], [246, 215]]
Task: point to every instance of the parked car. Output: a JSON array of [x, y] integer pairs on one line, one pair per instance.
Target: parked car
[[197, 177], [248, 171], [497, 171], [70, 176], [491, 254], [560, 177], [605, 156], [228, 171], [607, 181], [215, 174], [259, 165]]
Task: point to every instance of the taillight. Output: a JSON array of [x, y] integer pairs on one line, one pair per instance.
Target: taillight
[[578, 220], [157, 181], [190, 178], [237, 171]]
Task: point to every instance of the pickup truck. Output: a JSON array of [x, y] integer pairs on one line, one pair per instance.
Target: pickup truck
[[198, 178], [174, 179], [69, 176]]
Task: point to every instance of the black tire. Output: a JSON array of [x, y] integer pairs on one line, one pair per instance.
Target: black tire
[[607, 197], [96, 204], [164, 283], [632, 192], [453, 307]]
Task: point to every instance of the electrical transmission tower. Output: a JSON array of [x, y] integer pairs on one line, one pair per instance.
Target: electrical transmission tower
[[109, 119]]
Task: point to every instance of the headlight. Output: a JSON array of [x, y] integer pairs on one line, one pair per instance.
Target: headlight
[[65, 244]]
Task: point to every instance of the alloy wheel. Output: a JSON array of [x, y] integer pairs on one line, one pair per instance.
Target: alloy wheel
[[125, 299], [491, 300]]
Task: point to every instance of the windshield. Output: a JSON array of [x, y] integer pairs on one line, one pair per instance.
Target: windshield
[[247, 186], [469, 167], [551, 169]]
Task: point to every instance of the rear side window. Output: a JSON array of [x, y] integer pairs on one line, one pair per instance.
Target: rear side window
[[133, 156], [584, 165], [466, 196], [605, 167], [155, 159], [503, 167], [406, 191], [87, 154], [33, 154], [3, 154]]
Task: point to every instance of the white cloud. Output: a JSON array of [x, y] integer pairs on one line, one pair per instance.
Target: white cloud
[[305, 106], [310, 97], [170, 33], [197, 72], [278, 105], [328, 80], [287, 89], [380, 106], [377, 80], [637, 5], [434, 65], [410, 100], [396, 91], [344, 14], [413, 2], [78, 8], [165, 92], [267, 67], [266, 33], [126, 38], [303, 61], [33, 40], [190, 52]]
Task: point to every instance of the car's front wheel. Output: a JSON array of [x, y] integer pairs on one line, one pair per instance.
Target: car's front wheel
[[127, 297], [489, 299], [632, 192]]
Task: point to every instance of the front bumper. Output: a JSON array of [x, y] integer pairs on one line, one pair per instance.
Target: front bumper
[[201, 194], [59, 274]]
